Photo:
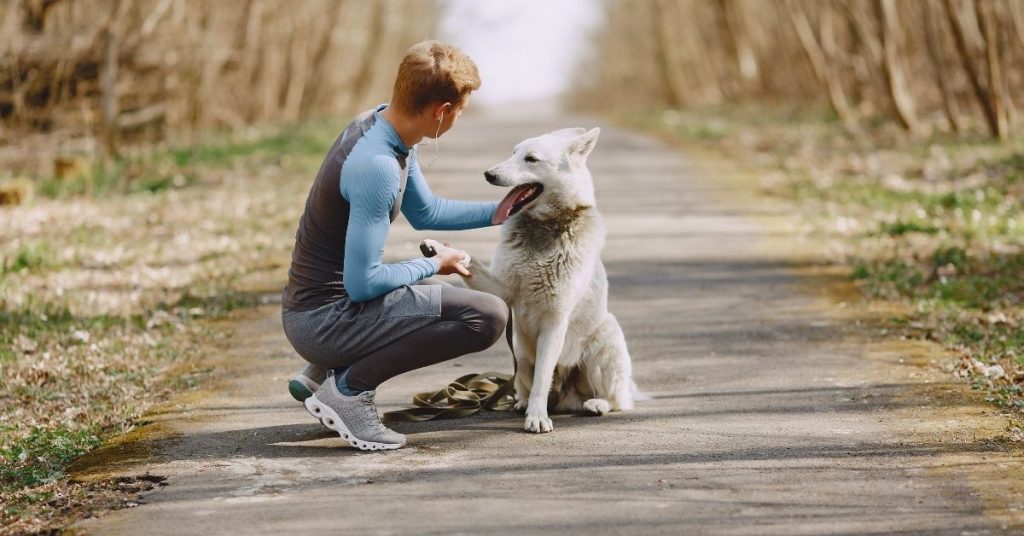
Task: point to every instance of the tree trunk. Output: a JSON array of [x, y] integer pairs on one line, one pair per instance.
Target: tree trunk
[[835, 82], [967, 60], [298, 70], [938, 57], [320, 56], [702, 68], [897, 82], [995, 71], [252, 59], [1017, 17], [1009, 57], [746, 60], [110, 131], [820, 63], [671, 67], [862, 25], [375, 34]]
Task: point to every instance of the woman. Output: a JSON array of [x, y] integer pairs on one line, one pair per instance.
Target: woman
[[346, 312]]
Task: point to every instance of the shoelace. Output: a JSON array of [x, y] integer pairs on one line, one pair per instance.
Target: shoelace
[[371, 411]]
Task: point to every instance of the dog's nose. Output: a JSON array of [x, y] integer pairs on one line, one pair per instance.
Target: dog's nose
[[491, 177]]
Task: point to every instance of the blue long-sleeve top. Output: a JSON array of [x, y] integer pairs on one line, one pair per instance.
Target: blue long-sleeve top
[[369, 182]]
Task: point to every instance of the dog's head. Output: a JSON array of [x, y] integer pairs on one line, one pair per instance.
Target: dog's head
[[547, 174]]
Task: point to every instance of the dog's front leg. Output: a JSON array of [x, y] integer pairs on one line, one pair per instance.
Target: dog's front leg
[[549, 347], [483, 280], [526, 356]]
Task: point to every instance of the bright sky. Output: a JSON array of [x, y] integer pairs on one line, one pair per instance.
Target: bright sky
[[525, 49]]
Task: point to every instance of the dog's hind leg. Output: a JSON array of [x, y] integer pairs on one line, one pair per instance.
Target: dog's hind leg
[[592, 400], [569, 396], [608, 369]]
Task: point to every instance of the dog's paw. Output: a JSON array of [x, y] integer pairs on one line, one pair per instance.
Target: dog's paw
[[538, 424], [520, 406], [596, 407]]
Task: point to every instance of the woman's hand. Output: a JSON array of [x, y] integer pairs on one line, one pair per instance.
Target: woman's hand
[[452, 260]]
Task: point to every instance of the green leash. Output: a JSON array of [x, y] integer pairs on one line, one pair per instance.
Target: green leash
[[463, 397], [466, 395]]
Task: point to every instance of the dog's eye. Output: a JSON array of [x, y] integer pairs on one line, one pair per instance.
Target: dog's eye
[[531, 159]]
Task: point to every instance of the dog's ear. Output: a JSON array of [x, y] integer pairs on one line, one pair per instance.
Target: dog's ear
[[568, 133], [584, 143]]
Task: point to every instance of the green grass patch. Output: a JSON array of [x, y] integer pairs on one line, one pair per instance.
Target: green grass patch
[[37, 320], [93, 178], [161, 169], [1004, 396], [41, 455], [949, 278], [28, 257], [889, 279], [125, 176], [901, 227], [991, 341], [299, 140], [216, 303], [1011, 167]]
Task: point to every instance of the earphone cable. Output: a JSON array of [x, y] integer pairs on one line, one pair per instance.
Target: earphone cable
[[436, 134]]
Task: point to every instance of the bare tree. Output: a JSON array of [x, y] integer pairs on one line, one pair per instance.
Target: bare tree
[[816, 54], [936, 52], [663, 18], [987, 21], [965, 52], [109, 106], [114, 70], [736, 26], [860, 56], [892, 41]]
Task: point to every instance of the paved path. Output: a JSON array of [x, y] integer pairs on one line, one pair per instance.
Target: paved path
[[770, 412]]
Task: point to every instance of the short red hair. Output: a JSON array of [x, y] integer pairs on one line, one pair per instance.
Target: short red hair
[[430, 72]]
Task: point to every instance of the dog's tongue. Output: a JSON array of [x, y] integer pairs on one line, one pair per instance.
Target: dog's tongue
[[509, 202]]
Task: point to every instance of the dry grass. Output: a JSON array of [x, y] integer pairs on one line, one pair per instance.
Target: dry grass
[[104, 284]]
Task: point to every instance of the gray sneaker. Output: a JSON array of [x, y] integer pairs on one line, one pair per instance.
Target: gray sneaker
[[353, 417], [305, 383]]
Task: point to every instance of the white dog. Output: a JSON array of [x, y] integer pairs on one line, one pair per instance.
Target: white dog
[[570, 351]]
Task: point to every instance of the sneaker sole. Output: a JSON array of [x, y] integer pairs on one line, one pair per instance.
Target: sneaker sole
[[329, 418], [302, 388]]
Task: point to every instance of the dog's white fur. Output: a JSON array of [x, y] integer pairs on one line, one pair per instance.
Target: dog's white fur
[[548, 268]]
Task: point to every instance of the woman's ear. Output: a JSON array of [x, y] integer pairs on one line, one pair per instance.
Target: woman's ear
[[439, 111]]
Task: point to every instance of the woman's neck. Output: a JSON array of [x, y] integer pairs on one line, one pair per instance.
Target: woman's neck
[[407, 127]]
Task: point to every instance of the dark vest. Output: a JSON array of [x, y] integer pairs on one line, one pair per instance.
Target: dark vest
[[315, 276]]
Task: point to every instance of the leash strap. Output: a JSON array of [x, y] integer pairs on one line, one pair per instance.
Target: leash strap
[[464, 396]]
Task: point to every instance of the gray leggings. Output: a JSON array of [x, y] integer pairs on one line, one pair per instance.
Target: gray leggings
[[402, 337]]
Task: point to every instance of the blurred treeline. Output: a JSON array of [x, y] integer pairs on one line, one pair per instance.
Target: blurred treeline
[[95, 74], [954, 65]]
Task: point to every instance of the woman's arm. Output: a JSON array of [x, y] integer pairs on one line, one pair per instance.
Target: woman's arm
[[425, 211], [371, 189]]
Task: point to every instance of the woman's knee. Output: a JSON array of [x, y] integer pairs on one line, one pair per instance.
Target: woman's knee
[[495, 314], [485, 317], [483, 314]]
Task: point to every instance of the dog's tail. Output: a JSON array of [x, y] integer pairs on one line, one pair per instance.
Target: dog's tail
[[637, 393]]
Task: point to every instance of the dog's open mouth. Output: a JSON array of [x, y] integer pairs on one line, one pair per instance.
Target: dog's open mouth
[[519, 197]]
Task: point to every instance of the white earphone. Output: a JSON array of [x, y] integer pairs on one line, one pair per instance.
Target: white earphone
[[438, 133]]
